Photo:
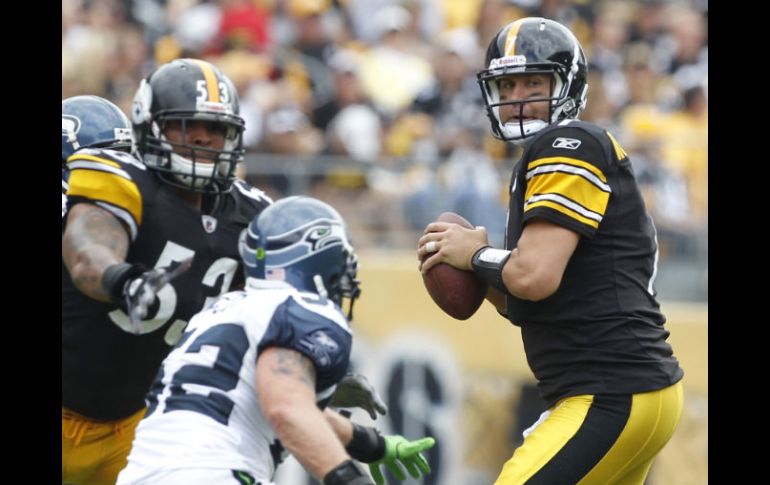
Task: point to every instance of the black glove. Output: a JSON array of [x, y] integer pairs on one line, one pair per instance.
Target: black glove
[[354, 391], [347, 473], [135, 289]]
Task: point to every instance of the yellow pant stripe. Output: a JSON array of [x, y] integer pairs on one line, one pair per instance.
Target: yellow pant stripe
[[596, 440], [545, 441]]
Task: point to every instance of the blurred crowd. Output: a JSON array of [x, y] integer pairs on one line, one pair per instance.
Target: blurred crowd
[[375, 102]]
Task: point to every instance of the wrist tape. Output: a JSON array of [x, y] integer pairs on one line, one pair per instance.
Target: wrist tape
[[367, 444], [347, 473], [115, 277], [487, 264]]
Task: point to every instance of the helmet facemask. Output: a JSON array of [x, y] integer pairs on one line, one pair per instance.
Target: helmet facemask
[[345, 285], [194, 167], [560, 104]]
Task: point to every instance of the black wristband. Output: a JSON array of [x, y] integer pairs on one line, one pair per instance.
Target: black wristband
[[367, 444], [114, 279], [347, 473], [487, 264]]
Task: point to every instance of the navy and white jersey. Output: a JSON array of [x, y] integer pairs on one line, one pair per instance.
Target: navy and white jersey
[[203, 408], [107, 369]]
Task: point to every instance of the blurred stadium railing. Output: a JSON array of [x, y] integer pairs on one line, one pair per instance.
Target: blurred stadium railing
[[373, 199]]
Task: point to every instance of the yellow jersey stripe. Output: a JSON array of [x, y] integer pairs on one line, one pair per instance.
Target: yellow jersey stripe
[[83, 156], [563, 209], [573, 187], [510, 39], [619, 152], [211, 80], [569, 169], [569, 161], [108, 187]]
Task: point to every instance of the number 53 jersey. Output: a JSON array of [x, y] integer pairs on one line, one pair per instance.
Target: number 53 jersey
[[203, 406], [106, 369]]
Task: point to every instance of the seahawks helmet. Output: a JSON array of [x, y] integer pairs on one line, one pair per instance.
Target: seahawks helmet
[[534, 45], [183, 91], [92, 122], [304, 242]]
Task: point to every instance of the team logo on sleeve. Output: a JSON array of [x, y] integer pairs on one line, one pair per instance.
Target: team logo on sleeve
[[568, 143], [324, 340], [321, 346], [209, 223]]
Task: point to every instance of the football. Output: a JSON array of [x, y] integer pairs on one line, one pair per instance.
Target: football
[[457, 292]]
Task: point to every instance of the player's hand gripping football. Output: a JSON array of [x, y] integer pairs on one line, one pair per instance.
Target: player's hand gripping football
[[401, 452], [140, 292], [451, 240], [355, 391]]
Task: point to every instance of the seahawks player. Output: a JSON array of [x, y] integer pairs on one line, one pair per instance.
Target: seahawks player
[[576, 274], [253, 374], [90, 121]]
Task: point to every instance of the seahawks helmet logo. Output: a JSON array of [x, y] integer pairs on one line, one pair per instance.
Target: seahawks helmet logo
[[70, 125], [321, 236]]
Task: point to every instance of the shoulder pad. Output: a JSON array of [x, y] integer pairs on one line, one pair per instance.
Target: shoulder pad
[[107, 156], [577, 140], [108, 178], [252, 192], [309, 328]]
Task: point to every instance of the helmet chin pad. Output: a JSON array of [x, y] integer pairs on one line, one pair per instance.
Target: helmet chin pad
[[514, 130], [198, 173], [197, 169]]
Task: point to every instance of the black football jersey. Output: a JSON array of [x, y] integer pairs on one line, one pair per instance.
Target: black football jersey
[[602, 330], [107, 369]]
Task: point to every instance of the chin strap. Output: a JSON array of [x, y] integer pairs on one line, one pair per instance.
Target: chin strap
[[319, 286]]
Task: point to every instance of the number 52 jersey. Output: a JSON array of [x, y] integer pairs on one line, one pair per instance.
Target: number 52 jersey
[[203, 406], [106, 369]]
